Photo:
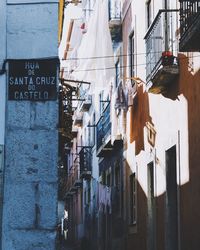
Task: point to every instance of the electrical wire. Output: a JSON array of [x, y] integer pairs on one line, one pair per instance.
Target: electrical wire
[[111, 56], [127, 66], [115, 56]]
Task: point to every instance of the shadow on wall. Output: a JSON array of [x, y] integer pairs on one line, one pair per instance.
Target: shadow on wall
[[139, 116], [188, 85]]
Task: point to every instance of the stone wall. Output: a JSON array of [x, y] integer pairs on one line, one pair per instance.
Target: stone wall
[[31, 141]]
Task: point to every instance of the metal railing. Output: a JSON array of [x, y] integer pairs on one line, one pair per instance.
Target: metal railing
[[85, 156], [69, 182], [74, 175], [114, 10], [189, 13], [160, 37], [76, 169], [103, 127]]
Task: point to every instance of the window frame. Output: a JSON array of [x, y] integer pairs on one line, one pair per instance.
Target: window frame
[[118, 72], [131, 54], [133, 199], [149, 13]]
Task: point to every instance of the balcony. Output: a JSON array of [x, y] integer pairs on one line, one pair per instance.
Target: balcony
[[86, 104], [78, 119], [77, 178], [74, 132], [68, 188], [104, 133], [189, 25], [85, 156], [115, 20], [74, 181], [161, 61]]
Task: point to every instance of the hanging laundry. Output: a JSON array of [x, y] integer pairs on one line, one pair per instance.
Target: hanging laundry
[[96, 51], [121, 100], [104, 198], [113, 116], [108, 199], [132, 91]]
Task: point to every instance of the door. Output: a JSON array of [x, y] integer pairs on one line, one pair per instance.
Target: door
[[151, 230], [171, 223]]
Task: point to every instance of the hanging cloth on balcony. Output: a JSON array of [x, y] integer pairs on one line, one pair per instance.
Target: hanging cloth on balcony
[[118, 113], [104, 198], [96, 63], [121, 98], [132, 91]]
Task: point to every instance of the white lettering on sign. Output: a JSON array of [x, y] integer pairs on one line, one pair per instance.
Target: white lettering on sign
[[33, 80], [32, 65], [50, 80], [31, 87], [43, 80], [31, 72], [31, 95]]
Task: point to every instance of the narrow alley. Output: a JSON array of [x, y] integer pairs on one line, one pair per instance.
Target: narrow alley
[[128, 138], [99, 124]]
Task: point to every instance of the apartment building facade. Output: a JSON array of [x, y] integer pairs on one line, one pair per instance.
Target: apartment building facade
[[140, 134]]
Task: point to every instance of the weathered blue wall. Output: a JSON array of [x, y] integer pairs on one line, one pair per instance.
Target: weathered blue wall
[[2, 77], [31, 146]]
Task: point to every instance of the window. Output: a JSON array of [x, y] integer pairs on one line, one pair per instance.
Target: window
[[133, 199], [101, 104], [86, 135], [89, 193], [81, 204], [103, 175], [117, 177], [89, 135], [94, 128], [131, 58], [117, 191], [149, 13], [118, 71], [108, 180], [151, 239], [85, 198]]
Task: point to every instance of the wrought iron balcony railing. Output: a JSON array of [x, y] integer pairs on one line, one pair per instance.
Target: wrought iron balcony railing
[[86, 103], [69, 185], [73, 181], [115, 20], [104, 131], [85, 156], [78, 118], [161, 57], [77, 178], [189, 25], [114, 10]]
